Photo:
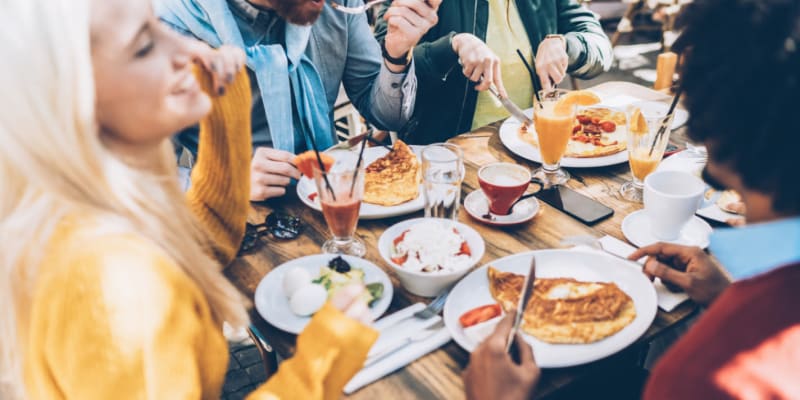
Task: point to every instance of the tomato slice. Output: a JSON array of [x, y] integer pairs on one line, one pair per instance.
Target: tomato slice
[[400, 260], [465, 249], [480, 314], [400, 238], [312, 196]]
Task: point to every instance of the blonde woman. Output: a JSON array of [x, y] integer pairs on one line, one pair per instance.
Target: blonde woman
[[110, 277]]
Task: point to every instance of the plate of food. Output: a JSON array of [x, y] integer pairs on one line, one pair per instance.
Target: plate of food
[[598, 139], [585, 306], [392, 184], [599, 135], [291, 293]]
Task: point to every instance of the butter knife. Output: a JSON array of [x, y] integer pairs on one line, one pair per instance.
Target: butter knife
[[515, 111], [527, 292]]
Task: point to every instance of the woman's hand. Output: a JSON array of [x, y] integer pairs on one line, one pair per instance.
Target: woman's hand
[[479, 62], [271, 171], [552, 61], [223, 64], [689, 268], [350, 301], [492, 374]]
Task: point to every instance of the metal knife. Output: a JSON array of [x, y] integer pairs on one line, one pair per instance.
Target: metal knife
[[515, 111], [527, 292]]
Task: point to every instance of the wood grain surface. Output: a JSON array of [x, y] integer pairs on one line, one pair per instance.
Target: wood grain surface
[[438, 375]]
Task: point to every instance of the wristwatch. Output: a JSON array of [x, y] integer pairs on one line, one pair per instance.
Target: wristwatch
[[557, 36], [400, 61]]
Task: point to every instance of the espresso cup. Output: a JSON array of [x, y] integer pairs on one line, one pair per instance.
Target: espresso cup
[[670, 199], [503, 184]]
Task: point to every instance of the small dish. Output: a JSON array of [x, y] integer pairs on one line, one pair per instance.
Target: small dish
[[636, 228], [273, 305], [429, 284], [477, 206]]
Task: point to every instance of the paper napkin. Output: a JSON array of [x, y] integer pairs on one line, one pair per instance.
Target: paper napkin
[[390, 330], [667, 300]]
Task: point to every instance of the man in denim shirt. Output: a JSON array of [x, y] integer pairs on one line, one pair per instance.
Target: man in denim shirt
[[299, 52]]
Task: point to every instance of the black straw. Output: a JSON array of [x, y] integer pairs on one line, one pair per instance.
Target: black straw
[[319, 159], [665, 123], [537, 86], [358, 162]]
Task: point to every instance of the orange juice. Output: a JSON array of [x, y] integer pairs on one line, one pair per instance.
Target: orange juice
[[642, 164], [554, 132]]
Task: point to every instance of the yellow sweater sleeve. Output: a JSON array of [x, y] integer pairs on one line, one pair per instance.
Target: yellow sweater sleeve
[[121, 321], [220, 191], [330, 350]]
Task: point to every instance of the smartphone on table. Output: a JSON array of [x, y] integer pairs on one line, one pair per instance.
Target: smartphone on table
[[580, 207]]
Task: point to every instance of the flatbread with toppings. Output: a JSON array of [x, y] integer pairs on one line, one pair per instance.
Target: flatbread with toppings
[[565, 310], [394, 178], [598, 132]]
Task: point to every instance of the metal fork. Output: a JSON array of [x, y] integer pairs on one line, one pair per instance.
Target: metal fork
[[356, 10], [433, 309]]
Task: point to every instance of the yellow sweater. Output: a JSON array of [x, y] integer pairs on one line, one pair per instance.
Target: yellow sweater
[[118, 319]]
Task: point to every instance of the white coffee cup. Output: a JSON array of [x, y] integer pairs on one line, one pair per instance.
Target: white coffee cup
[[670, 199]]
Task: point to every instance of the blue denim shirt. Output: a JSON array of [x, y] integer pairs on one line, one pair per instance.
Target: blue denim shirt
[[757, 248], [344, 52]]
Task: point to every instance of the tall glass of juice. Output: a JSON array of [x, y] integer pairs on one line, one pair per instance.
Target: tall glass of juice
[[645, 144], [553, 130], [340, 193]]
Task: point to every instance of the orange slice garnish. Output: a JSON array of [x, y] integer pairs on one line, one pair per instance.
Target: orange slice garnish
[[565, 104], [638, 123], [307, 162]]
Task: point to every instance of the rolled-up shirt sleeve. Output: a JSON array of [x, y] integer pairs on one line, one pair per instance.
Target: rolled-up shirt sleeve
[[386, 99]]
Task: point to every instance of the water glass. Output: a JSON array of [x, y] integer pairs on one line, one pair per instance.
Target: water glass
[[442, 174]]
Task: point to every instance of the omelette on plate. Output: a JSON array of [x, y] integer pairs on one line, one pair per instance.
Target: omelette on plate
[[394, 178], [565, 310]]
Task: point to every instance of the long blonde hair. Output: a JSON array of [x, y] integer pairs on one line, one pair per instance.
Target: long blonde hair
[[53, 164]]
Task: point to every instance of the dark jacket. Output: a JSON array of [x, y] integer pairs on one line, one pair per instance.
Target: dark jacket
[[446, 99]]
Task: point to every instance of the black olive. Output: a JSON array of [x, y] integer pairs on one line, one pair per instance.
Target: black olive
[[339, 265]]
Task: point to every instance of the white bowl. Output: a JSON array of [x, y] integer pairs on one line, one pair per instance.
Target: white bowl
[[429, 284]]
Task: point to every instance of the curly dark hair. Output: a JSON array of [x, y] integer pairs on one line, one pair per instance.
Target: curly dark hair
[[741, 77]]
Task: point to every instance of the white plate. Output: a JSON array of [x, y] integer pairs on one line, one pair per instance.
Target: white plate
[[609, 96], [636, 228], [347, 158], [272, 304], [473, 291], [477, 206]]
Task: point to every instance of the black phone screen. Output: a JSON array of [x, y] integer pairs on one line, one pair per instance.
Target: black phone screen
[[575, 204]]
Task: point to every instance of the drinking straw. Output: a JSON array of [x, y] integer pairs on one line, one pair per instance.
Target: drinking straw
[[313, 141], [665, 123], [537, 86], [358, 162]]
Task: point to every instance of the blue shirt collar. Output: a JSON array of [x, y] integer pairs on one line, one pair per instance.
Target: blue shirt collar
[[754, 249]]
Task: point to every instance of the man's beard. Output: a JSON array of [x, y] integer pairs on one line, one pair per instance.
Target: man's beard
[[298, 12]]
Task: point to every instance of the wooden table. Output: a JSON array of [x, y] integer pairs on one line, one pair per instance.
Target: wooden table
[[437, 375]]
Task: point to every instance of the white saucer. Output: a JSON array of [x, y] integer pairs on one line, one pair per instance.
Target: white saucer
[[477, 206], [636, 228]]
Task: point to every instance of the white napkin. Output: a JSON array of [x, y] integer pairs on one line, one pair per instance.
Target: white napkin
[[667, 300], [389, 333]]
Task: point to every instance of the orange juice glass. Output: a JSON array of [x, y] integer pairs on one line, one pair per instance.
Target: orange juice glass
[[553, 131], [645, 145]]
